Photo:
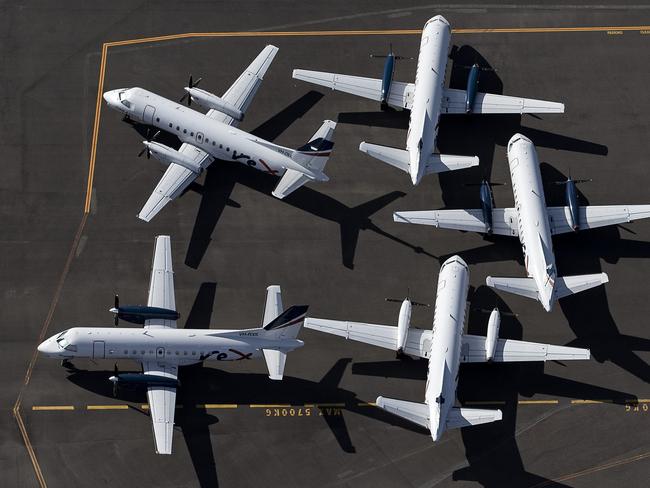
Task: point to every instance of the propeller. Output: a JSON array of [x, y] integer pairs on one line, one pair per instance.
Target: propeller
[[408, 297], [115, 310], [113, 379], [187, 96], [487, 310], [146, 147]]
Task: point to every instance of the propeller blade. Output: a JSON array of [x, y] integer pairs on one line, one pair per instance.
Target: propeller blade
[[183, 97], [117, 301], [155, 135], [114, 389], [394, 300], [419, 304], [142, 152]]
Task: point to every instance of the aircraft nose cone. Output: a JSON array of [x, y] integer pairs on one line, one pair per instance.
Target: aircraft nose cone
[[47, 347], [111, 97]]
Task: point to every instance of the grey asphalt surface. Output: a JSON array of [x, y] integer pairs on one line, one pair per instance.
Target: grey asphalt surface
[[333, 246]]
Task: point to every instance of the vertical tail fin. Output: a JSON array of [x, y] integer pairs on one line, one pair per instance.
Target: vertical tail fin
[[287, 324], [316, 152], [284, 328]]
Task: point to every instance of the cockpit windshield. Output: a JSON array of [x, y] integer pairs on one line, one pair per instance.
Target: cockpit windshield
[[122, 98], [64, 343]]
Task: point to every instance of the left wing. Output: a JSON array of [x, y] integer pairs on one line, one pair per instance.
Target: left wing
[[400, 95], [593, 216], [418, 341], [453, 102], [162, 404], [509, 350], [504, 220], [175, 180], [241, 93], [161, 285]]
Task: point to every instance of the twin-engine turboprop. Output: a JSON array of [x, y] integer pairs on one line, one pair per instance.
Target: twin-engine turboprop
[[427, 99], [215, 135], [534, 223], [161, 348], [446, 346]]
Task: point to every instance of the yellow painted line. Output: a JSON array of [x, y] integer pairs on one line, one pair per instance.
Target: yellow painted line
[[217, 405], [144, 407], [590, 402], [538, 402], [366, 404], [107, 407], [270, 405], [52, 407]]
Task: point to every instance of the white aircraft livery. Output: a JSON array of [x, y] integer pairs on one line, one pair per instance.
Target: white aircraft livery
[[427, 99], [534, 223], [161, 348], [214, 135], [445, 347]]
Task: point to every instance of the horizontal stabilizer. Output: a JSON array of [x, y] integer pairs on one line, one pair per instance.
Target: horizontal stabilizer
[[391, 155], [568, 285], [290, 182], [418, 413], [466, 417], [473, 350], [275, 361], [439, 163], [454, 102], [525, 287], [504, 220]]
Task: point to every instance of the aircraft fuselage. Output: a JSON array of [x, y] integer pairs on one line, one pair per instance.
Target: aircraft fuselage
[[533, 224], [182, 346], [427, 96], [444, 360], [220, 140]]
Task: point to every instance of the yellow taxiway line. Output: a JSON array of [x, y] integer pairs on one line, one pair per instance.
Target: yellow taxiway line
[[52, 407]]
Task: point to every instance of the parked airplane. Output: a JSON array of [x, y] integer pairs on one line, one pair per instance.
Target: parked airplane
[[161, 348], [427, 99], [534, 223], [215, 135], [445, 347]]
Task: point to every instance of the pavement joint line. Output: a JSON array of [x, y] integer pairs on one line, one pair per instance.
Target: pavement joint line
[[93, 154]]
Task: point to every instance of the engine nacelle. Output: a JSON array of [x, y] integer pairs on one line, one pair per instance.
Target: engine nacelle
[[492, 334], [210, 100], [571, 195], [487, 203], [403, 324], [472, 87], [168, 155]]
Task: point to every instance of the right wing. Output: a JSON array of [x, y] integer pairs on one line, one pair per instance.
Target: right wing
[[161, 285], [593, 216], [162, 404], [418, 413], [504, 220], [400, 94], [175, 180], [510, 350], [242, 91], [418, 341], [291, 180], [453, 102], [466, 417]]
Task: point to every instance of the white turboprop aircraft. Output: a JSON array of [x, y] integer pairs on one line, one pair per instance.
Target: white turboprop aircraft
[[427, 99], [445, 347], [534, 223], [161, 348], [215, 135]]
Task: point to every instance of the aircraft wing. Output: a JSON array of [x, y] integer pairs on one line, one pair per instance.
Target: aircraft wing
[[453, 102], [504, 220], [242, 91], [162, 404], [377, 335], [400, 94], [510, 350], [593, 216], [161, 285], [174, 182]]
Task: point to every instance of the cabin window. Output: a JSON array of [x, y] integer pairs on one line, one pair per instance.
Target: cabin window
[[157, 119], [227, 149], [213, 143], [170, 124], [177, 353], [192, 134], [135, 352], [126, 352], [184, 131], [207, 140], [142, 352], [178, 128], [150, 351]]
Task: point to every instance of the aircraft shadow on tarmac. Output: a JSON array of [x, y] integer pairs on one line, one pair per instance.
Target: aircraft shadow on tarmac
[[491, 450], [200, 385], [588, 312], [471, 135]]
